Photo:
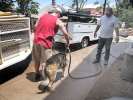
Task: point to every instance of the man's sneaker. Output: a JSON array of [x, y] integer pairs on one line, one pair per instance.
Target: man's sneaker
[[96, 61], [37, 77], [105, 62]]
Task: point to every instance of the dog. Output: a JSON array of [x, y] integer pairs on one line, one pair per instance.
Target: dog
[[55, 62]]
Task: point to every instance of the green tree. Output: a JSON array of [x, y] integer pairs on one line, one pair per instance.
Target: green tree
[[27, 7], [34, 8], [126, 15], [79, 4], [6, 5], [125, 11], [125, 3]]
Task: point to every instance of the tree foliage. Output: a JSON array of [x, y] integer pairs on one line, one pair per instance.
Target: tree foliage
[[79, 3], [27, 7], [6, 5], [126, 15], [126, 11], [125, 3]]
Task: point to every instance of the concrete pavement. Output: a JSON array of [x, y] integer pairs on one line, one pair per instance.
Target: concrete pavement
[[79, 89], [110, 84], [22, 88]]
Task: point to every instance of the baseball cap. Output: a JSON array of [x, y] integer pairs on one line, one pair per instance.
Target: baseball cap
[[53, 10]]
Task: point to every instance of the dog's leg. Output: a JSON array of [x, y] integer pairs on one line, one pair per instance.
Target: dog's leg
[[65, 63], [64, 67], [63, 71], [51, 77], [43, 86], [51, 74]]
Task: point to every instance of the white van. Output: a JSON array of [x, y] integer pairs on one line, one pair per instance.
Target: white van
[[81, 27]]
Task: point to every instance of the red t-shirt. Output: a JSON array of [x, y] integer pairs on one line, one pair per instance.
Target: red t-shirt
[[45, 29]]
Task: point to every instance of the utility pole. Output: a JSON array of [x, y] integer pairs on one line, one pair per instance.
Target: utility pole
[[77, 5], [53, 2], [104, 6]]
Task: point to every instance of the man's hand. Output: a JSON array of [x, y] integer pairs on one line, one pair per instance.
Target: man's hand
[[95, 34], [69, 37], [117, 34], [97, 28], [117, 39]]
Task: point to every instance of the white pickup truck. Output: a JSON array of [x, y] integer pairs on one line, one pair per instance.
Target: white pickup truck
[[15, 40], [81, 29]]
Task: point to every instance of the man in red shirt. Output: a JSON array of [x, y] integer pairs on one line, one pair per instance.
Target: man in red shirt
[[45, 30]]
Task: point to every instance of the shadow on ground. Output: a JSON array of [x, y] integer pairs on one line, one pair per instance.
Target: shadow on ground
[[17, 69], [14, 70]]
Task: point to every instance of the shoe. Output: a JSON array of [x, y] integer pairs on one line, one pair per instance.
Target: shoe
[[37, 77], [49, 88], [43, 86], [105, 62], [96, 61]]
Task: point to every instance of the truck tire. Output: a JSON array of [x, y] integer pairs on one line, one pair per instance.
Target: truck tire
[[85, 42]]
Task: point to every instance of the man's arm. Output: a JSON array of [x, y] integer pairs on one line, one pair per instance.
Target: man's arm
[[63, 29], [97, 28], [116, 25], [117, 34], [117, 31], [37, 22]]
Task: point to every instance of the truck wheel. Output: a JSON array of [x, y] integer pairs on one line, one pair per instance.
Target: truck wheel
[[85, 42]]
